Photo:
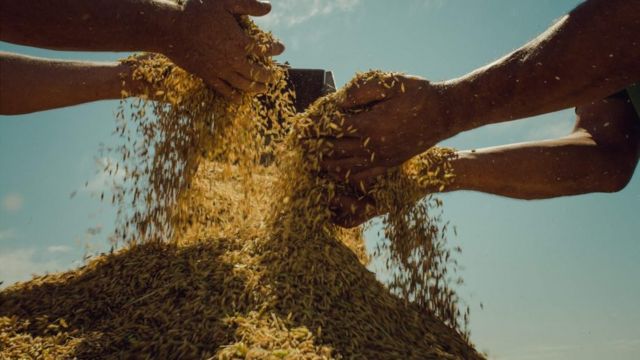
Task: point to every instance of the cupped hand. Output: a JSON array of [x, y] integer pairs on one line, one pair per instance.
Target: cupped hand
[[359, 206], [349, 211], [395, 118], [207, 40]]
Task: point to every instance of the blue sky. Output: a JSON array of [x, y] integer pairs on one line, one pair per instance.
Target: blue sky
[[556, 277]]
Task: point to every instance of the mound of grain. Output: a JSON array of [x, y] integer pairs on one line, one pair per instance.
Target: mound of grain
[[226, 289]]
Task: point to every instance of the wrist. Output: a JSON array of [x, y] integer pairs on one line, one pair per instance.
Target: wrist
[[457, 106], [115, 77], [441, 114], [460, 166], [127, 84]]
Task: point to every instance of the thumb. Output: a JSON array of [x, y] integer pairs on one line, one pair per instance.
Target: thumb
[[248, 7], [363, 92]]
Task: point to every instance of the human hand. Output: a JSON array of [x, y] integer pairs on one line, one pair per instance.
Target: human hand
[[349, 211], [206, 39], [395, 117], [354, 209], [428, 173]]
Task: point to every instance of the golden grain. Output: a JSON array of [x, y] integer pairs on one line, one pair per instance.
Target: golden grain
[[227, 249]]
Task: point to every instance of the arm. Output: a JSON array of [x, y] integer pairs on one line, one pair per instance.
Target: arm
[[90, 25], [600, 155], [590, 53], [203, 37], [29, 84]]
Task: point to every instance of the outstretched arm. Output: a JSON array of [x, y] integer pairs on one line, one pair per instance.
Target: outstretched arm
[[203, 37], [600, 155], [30, 84], [98, 25], [588, 54]]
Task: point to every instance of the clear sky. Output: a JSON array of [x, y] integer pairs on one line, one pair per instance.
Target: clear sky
[[556, 277]]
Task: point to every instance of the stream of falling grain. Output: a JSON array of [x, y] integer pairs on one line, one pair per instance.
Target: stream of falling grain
[[227, 250]]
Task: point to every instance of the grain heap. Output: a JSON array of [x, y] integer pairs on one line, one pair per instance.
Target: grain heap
[[237, 258]]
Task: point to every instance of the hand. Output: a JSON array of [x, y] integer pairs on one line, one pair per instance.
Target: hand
[[395, 119], [207, 40], [428, 173], [354, 209], [350, 211], [130, 85]]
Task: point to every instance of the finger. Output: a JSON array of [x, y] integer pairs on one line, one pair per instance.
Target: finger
[[342, 166], [276, 49], [248, 7], [364, 92], [367, 178], [239, 82], [253, 72], [225, 90], [271, 49], [365, 124], [347, 148], [341, 170], [350, 212]]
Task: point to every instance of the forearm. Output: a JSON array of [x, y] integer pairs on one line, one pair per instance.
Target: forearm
[[30, 84], [90, 25], [545, 169], [589, 54]]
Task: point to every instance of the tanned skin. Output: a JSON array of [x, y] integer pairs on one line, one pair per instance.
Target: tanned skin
[[33, 84], [203, 37], [599, 155], [589, 54]]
